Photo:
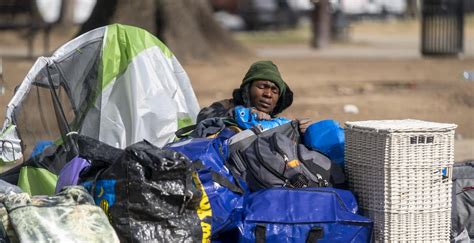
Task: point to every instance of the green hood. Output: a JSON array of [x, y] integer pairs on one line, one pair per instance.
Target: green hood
[[264, 70]]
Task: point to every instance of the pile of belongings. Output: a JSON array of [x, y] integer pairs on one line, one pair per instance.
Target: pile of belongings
[[113, 155]]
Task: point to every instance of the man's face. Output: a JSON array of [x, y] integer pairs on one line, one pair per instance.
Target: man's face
[[264, 95]]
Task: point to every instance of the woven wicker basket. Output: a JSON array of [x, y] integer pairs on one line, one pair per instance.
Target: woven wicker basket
[[400, 171]]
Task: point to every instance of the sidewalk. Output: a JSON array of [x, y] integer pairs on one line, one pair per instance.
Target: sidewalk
[[391, 40]]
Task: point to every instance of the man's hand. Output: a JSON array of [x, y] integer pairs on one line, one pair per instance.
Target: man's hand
[[260, 114], [303, 124]]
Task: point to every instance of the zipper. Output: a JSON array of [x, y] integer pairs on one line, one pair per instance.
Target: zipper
[[310, 167], [269, 168], [274, 144]]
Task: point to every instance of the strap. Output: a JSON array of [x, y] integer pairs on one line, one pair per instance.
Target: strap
[[236, 177], [94, 181], [256, 129], [185, 131], [220, 179], [466, 188], [197, 165], [223, 181], [314, 234], [260, 233], [236, 161]]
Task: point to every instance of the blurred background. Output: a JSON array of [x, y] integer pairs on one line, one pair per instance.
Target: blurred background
[[345, 60]]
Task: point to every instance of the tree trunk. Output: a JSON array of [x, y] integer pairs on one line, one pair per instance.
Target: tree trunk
[[321, 24], [101, 15], [137, 13], [412, 8], [187, 27], [66, 16]]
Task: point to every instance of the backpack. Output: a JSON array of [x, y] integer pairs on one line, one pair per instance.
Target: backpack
[[275, 158], [245, 138], [462, 213], [303, 215]]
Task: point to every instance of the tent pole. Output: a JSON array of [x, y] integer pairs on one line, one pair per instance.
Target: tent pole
[[60, 116]]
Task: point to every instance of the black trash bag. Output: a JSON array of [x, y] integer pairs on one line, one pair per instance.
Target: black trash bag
[[91, 149], [101, 155], [147, 192]]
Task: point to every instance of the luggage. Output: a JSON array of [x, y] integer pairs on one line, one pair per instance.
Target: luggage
[[303, 215], [69, 216], [275, 158], [211, 151], [222, 189], [147, 193], [326, 137], [462, 213]]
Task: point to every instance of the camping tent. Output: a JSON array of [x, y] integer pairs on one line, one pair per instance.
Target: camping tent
[[118, 84]]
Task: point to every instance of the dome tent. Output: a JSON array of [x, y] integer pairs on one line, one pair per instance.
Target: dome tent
[[117, 84]]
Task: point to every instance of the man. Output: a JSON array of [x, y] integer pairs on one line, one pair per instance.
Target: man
[[262, 89]]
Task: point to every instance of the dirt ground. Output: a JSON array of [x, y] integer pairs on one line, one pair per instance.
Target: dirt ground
[[379, 72]]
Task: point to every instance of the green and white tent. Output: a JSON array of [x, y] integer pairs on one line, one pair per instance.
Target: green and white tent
[[118, 84]]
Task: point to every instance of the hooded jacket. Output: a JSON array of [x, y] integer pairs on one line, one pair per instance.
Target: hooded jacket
[[261, 70]]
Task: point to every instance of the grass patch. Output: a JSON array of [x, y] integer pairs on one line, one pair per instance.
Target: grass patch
[[301, 34]]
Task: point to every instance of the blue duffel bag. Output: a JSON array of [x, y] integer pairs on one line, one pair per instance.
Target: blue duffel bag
[[223, 189], [303, 215]]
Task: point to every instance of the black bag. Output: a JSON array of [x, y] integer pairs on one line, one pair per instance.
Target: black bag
[[147, 192], [274, 158], [462, 213], [208, 128]]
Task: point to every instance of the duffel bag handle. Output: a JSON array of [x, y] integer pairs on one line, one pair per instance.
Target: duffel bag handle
[[314, 234], [260, 233]]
